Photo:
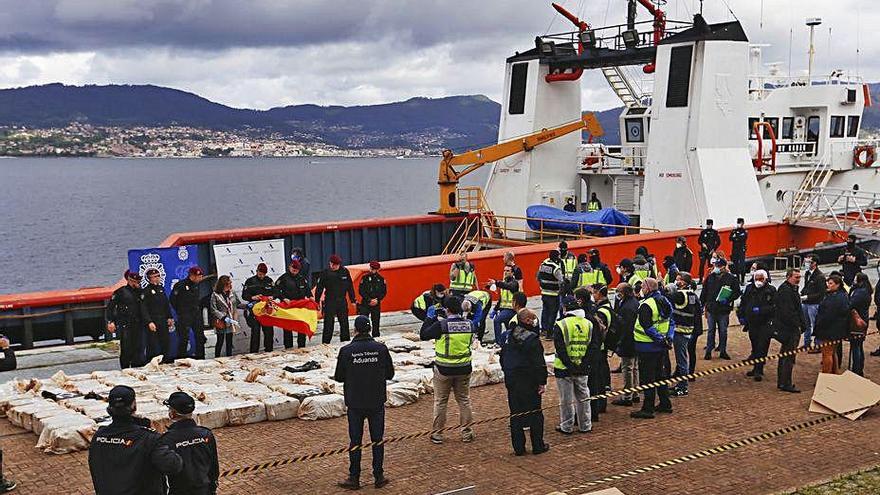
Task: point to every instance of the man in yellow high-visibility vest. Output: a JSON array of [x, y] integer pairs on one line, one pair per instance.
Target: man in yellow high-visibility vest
[[653, 334], [503, 311], [571, 338], [462, 276]]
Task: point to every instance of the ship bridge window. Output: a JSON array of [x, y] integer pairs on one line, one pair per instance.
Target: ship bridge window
[[852, 129], [752, 122], [774, 124], [635, 131], [787, 128], [517, 103], [678, 84], [813, 128], [837, 126]]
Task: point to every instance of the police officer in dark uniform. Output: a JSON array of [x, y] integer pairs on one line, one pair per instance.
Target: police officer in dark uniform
[[709, 241], [126, 456], [258, 286], [195, 444], [293, 285], [738, 237], [336, 282], [372, 289], [364, 366], [156, 315], [185, 301], [124, 319]]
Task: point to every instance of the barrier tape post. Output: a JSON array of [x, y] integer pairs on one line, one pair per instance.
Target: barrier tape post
[[420, 434]]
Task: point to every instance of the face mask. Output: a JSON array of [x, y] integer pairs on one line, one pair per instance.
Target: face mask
[[716, 270], [619, 271], [759, 283], [678, 245], [740, 225], [713, 260]]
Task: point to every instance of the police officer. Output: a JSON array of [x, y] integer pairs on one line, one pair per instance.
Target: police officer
[[126, 456], [476, 306], [551, 280], [372, 289], [124, 317], [194, 444], [503, 312], [427, 299], [756, 311], [686, 309], [336, 282], [738, 238], [594, 204], [597, 264], [653, 335], [156, 314], [185, 301], [585, 275], [709, 241], [452, 337], [571, 339], [255, 288], [462, 276], [569, 206], [291, 286], [364, 366]]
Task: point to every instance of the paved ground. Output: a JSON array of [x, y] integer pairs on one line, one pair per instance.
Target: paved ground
[[720, 408]]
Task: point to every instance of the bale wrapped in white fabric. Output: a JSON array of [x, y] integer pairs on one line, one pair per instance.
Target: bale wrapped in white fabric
[[22, 416], [254, 391], [60, 378], [322, 407], [494, 373], [87, 386], [211, 415], [40, 415], [401, 394], [14, 399], [246, 412], [479, 377], [296, 390], [421, 378], [280, 407], [69, 433]]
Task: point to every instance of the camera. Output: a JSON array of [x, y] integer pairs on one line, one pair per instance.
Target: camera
[[441, 313]]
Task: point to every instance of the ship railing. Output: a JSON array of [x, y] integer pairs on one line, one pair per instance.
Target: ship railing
[[843, 209], [761, 85], [611, 37], [602, 159], [510, 227]]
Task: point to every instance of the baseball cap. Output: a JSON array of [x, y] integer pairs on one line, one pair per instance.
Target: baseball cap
[[181, 402], [262, 268], [121, 395], [362, 324], [130, 275], [335, 259], [375, 265], [570, 303], [195, 270]]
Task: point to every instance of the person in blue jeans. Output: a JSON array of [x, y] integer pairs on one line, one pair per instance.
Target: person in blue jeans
[[811, 296], [719, 292], [685, 311], [504, 310]]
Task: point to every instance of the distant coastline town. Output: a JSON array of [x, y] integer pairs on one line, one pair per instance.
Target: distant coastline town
[[83, 140]]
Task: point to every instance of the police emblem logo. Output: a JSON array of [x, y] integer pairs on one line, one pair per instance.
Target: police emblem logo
[[182, 254]]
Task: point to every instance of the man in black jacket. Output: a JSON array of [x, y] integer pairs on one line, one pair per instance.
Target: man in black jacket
[[291, 286], [124, 319], [255, 288], [363, 366], [525, 377], [372, 289], [717, 297], [185, 301], [709, 241], [597, 264], [156, 314], [626, 306], [852, 260], [126, 457], [811, 296], [8, 363], [738, 238], [683, 256], [336, 282], [788, 323], [756, 312], [194, 444]]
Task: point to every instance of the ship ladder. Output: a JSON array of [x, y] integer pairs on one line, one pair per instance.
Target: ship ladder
[[621, 86]]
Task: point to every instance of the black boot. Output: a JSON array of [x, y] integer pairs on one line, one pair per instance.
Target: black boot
[[350, 483]]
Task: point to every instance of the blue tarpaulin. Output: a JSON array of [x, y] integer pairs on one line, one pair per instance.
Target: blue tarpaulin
[[608, 216]]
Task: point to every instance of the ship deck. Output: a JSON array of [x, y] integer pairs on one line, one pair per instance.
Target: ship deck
[[721, 408]]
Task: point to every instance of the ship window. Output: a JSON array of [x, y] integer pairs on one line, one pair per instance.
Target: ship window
[[517, 103], [752, 122], [774, 123], [678, 84], [813, 129], [837, 123], [787, 127], [852, 129], [635, 131]]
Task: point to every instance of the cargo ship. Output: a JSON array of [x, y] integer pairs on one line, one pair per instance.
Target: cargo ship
[[714, 138]]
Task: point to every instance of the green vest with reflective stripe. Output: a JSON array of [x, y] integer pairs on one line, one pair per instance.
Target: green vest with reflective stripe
[[569, 263], [480, 296], [593, 206], [658, 322], [634, 279], [464, 281], [684, 320], [506, 301], [420, 302], [642, 274], [453, 348], [587, 279], [576, 335]]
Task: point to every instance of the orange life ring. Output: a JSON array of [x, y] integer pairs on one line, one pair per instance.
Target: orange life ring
[[870, 156]]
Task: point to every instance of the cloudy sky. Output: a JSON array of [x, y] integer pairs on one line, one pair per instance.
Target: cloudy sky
[[265, 53]]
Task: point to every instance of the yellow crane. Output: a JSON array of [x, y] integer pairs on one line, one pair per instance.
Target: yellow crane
[[449, 176]]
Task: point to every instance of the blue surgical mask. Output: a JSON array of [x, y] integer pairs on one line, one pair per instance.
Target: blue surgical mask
[[716, 270]]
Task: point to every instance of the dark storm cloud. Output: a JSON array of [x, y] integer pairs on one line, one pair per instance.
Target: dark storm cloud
[[76, 25]]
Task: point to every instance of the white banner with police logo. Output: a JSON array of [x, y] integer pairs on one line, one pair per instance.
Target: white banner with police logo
[[239, 260]]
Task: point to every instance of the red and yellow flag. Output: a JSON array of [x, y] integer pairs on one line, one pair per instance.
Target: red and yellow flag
[[300, 316]]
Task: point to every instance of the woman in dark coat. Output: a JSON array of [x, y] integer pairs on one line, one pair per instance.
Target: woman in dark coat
[[859, 300], [832, 322]]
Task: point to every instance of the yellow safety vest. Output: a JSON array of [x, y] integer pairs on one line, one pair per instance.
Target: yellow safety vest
[[506, 301], [465, 280], [420, 302], [658, 322], [569, 263], [453, 348], [635, 279], [593, 206], [587, 279], [576, 335], [642, 274]]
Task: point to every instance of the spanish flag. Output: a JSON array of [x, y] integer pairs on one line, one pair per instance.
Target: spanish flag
[[300, 316]]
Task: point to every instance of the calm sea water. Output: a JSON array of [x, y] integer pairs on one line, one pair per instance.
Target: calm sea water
[[68, 222]]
